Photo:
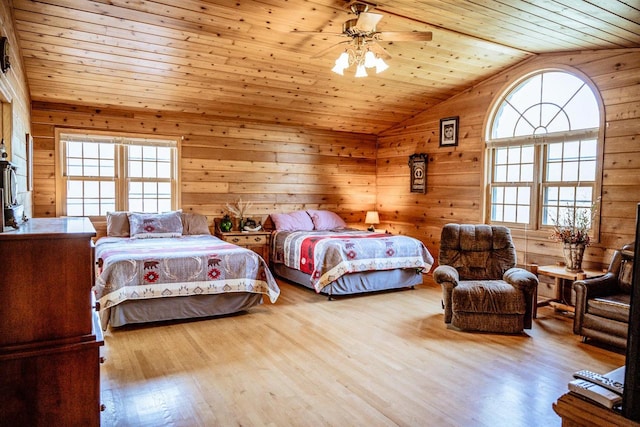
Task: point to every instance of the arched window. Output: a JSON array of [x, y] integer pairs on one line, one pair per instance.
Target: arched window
[[543, 151]]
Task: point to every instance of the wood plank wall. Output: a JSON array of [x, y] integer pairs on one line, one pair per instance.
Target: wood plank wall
[[16, 122], [455, 174], [276, 167]]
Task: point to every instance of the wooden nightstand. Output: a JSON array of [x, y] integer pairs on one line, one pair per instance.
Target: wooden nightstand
[[257, 241]]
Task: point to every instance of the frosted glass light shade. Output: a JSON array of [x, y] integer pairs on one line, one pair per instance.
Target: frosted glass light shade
[[343, 60], [360, 71], [381, 65], [369, 59]]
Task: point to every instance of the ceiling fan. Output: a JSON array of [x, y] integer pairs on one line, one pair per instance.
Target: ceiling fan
[[362, 48]]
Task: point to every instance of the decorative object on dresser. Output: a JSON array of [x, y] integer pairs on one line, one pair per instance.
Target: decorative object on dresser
[[226, 224], [13, 211], [603, 303], [168, 266], [314, 248], [49, 334], [238, 210], [482, 288]]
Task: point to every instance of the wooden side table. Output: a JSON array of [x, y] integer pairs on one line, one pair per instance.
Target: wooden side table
[[561, 274], [257, 241], [576, 411]]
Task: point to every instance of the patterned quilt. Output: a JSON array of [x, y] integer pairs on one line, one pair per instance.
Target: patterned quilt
[[169, 267], [327, 255]]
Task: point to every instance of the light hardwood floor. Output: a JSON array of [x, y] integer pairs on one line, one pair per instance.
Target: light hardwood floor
[[376, 360]]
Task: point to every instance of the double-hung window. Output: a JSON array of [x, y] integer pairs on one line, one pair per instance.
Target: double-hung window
[[543, 151], [103, 173]]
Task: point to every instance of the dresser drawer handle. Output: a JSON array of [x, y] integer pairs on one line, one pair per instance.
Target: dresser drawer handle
[[258, 239], [235, 240]]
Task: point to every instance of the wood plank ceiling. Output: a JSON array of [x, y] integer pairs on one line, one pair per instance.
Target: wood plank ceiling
[[239, 58]]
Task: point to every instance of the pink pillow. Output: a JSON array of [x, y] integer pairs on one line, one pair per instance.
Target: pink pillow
[[326, 220], [294, 221]]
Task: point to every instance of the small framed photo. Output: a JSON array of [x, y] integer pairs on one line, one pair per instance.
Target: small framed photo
[[449, 131]]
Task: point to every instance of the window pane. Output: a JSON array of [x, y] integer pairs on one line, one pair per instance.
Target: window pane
[[513, 173], [570, 171], [501, 174], [74, 189], [74, 149], [91, 189], [164, 170], [107, 167], [581, 117], [108, 190], [522, 214], [149, 170], [135, 169], [164, 205], [509, 213], [91, 167], [164, 154]]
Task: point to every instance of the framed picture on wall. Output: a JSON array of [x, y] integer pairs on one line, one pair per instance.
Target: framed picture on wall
[[29, 152], [418, 167], [449, 131]]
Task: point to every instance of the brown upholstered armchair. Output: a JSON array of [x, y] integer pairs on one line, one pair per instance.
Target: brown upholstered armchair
[[482, 290], [603, 303]]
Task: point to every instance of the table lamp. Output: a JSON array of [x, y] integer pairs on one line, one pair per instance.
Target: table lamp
[[373, 219]]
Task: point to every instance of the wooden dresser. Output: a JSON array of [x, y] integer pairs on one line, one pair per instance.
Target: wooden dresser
[[49, 335]]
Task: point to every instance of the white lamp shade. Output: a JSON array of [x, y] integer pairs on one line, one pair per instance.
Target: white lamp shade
[[381, 65], [372, 218], [343, 60], [369, 59], [338, 69], [360, 71]]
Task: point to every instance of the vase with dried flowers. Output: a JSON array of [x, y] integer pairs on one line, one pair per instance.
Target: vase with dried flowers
[[238, 210], [572, 229]]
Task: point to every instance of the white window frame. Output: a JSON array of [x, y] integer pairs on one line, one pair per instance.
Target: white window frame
[[121, 174], [540, 144]]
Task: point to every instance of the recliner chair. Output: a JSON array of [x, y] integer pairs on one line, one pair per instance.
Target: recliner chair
[[482, 289], [603, 302]]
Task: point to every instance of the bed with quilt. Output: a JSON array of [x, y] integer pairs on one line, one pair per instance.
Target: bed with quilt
[[317, 250], [154, 267]]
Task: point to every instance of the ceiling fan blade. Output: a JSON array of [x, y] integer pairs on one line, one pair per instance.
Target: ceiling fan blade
[[321, 33], [367, 21], [404, 36], [330, 48], [379, 50]]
